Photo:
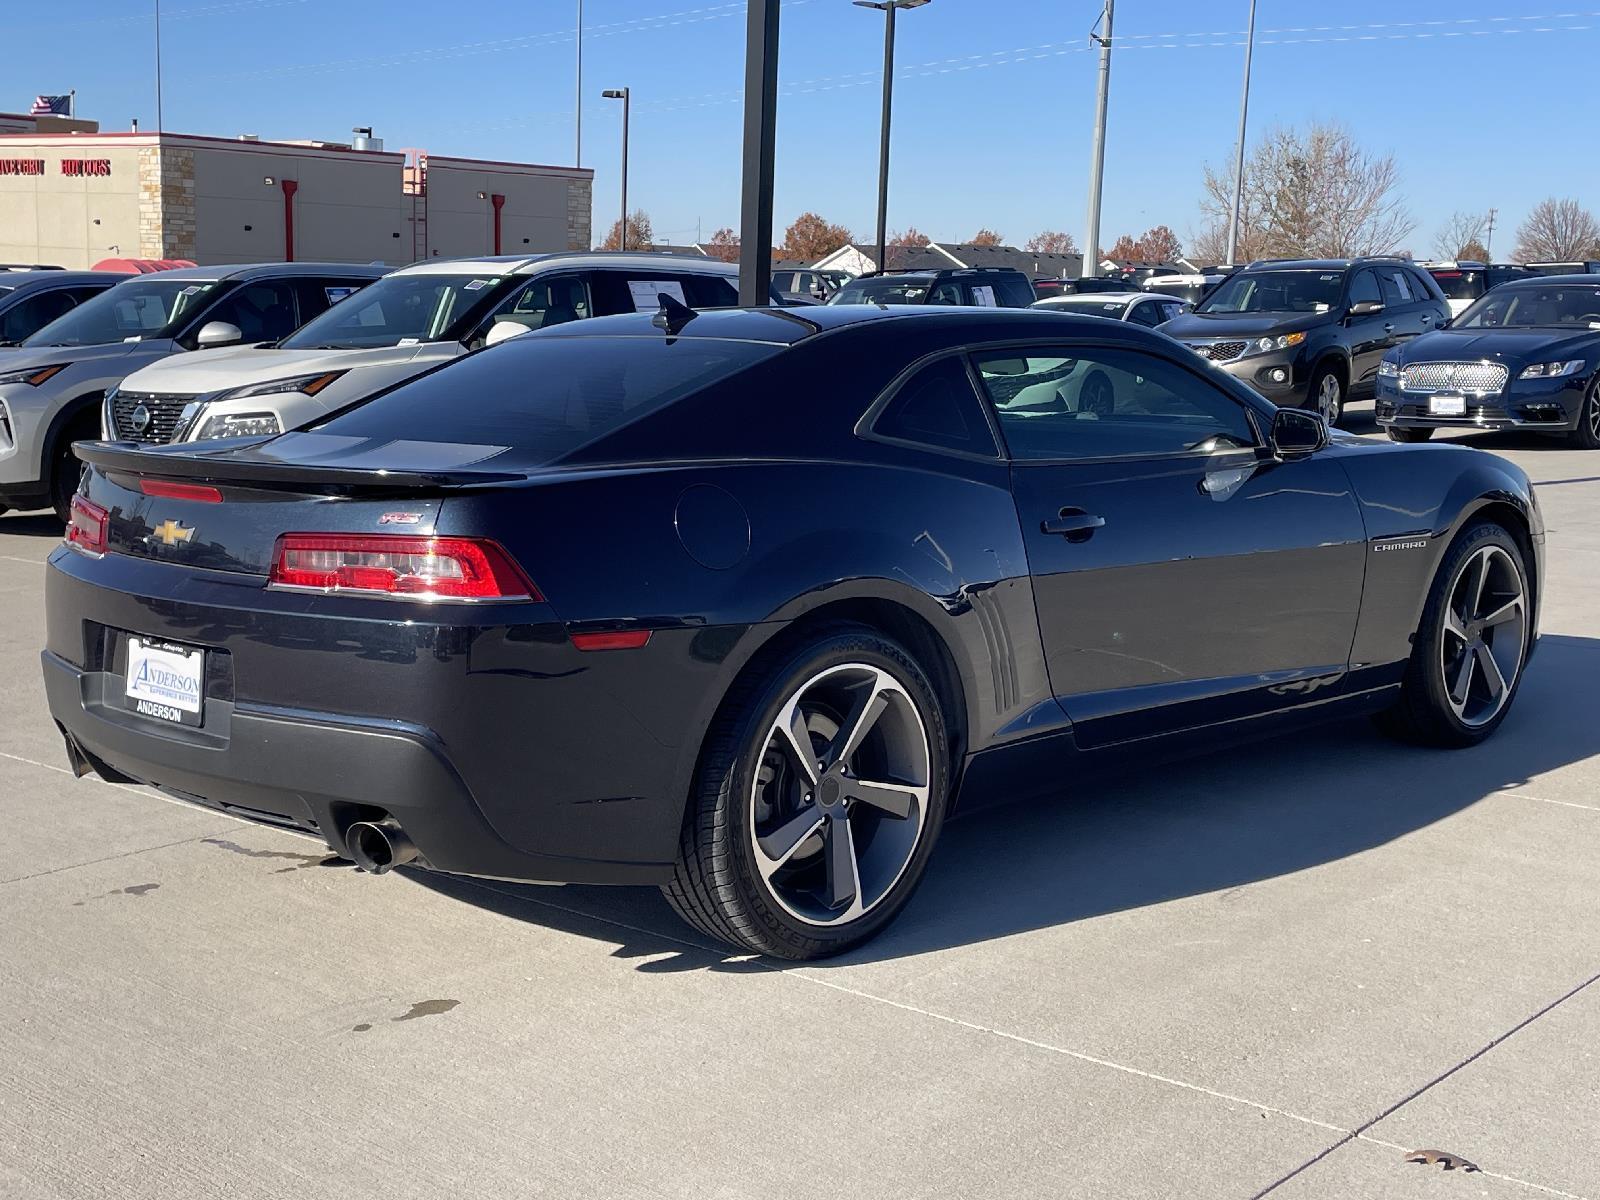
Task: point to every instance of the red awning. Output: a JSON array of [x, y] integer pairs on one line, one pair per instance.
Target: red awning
[[140, 266]]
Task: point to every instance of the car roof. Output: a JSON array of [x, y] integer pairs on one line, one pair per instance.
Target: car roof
[[21, 280], [525, 264], [1301, 264], [1589, 278], [790, 326], [248, 271]]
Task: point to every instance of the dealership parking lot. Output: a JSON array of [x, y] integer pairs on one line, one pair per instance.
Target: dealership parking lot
[[1281, 968]]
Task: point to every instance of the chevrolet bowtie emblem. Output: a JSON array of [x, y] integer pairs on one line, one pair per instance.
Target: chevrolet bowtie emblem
[[171, 533]]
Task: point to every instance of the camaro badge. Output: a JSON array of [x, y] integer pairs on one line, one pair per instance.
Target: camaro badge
[[171, 532]]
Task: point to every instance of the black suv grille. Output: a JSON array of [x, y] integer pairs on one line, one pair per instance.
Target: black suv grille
[[1218, 351], [147, 417]]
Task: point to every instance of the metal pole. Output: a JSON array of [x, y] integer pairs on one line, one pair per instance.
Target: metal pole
[[577, 153], [1097, 163], [760, 153], [1488, 238], [160, 123], [1238, 162], [626, 101], [883, 144]]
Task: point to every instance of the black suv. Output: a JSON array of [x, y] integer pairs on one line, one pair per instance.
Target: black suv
[[1307, 333], [984, 287]]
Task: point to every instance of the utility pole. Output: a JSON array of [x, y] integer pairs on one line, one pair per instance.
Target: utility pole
[[888, 9], [1488, 237], [1238, 162], [760, 153], [160, 124], [626, 96], [577, 153], [1097, 163]]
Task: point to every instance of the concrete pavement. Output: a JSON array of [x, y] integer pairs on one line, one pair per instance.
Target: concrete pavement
[[1275, 970]]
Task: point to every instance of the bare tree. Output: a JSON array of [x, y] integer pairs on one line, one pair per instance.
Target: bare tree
[[1460, 232], [1558, 231], [811, 238], [724, 245], [1316, 194], [1051, 241], [986, 237], [640, 235]]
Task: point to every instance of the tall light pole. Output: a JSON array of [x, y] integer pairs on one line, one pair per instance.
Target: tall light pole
[[888, 8], [1097, 161], [1238, 161], [160, 124], [622, 94], [577, 125], [760, 152]]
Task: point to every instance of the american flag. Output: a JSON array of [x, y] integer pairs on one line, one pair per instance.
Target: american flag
[[45, 106]]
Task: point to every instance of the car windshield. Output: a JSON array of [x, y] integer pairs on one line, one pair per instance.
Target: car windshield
[[150, 307], [546, 397], [1459, 285], [1551, 307], [886, 290], [401, 308], [1094, 306], [1298, 291]]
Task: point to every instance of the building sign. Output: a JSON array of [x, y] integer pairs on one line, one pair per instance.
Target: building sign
[[86, 166], [21, 166]]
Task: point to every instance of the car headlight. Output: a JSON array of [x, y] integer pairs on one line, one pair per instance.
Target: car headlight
[[33, 376], [231, 425], [1547, 370], [1283, 341], [1388, 369], [306, 385]]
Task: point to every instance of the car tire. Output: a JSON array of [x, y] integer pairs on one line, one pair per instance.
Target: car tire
[[1587, 435], [1097, 396], [64, 481], [1326, 394], [1450, 696], [1409, 436], [778, 862]]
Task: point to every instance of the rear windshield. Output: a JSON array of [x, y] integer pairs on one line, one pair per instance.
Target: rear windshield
[[1459, 285], [401, 308], [1093, 306], [547, 396], [129, 312], [883, 291]]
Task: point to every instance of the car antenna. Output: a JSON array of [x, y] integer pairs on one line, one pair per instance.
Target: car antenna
[[673, 315]]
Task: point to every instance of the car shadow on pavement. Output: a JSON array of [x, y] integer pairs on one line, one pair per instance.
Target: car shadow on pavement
[[35, 524], [1187, 828]]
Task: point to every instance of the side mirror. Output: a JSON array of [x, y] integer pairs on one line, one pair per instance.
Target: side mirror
[[218, 333], [1365, 308], [501, 330], [1297, 433]]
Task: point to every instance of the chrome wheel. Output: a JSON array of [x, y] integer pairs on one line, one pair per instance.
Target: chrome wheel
[[840, 799], [1484, 636], [1592, 415], [1330, 398]]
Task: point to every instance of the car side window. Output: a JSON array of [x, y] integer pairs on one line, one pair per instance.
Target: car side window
[[710, 291], [544, 302], [32, 313], [264, 311], [1145, 313], [938, 407], [1397, 289], [945, 293], [1063, 403], [1364, 289]]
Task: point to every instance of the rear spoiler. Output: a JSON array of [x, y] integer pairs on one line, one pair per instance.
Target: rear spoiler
[[226, 467]]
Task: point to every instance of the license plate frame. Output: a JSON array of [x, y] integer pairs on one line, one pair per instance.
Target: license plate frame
[[1447, 404], [164, 681]]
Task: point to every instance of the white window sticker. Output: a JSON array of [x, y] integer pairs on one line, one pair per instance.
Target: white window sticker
[[647, 293], [983, 296], [475, 285], [1402, 284], [191, 290], [336, 294]]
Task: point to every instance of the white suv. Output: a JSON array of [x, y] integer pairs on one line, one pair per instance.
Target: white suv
[[407, 322]]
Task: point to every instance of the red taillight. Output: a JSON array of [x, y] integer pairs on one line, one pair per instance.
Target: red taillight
[[624, 639], [425, 568], [86, 526], [166, 489]]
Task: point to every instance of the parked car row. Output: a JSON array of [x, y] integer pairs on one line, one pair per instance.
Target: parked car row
[[745, 603]]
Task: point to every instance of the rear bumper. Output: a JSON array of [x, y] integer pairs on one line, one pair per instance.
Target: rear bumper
[[313, 772]]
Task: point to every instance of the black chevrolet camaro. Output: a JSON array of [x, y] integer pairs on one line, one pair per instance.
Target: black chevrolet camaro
[[742, 603]]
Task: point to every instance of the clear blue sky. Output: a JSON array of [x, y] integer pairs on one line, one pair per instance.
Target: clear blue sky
[[995, 98]]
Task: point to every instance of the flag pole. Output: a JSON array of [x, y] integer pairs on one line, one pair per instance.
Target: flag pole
[[72, 104]]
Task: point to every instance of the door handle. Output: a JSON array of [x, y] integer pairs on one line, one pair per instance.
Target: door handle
[[1072, 523], [1388, 327], [1427, 318]]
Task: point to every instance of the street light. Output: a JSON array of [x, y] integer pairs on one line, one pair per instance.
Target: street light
[[623, 95], [887, 7]]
